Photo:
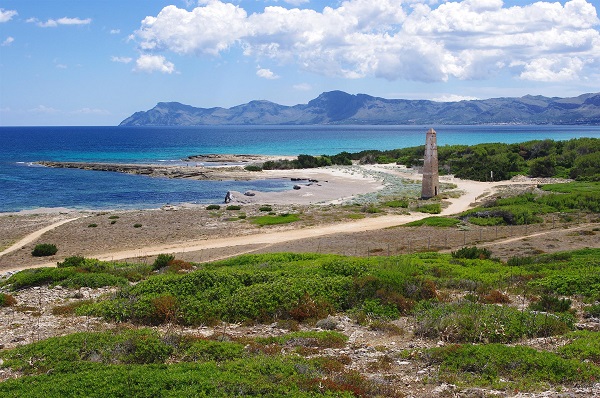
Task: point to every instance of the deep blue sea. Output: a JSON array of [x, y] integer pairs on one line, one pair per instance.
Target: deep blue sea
[[26, 186]]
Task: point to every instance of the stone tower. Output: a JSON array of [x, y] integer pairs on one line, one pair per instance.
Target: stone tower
[[431, 180]]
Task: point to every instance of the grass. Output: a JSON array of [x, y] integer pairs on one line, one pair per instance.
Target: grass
[[434, 222], [262, 221]]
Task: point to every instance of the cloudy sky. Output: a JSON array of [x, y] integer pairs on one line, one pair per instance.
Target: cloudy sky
[[74, 62]]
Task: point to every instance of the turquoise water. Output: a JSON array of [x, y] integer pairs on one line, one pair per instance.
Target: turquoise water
[[26, 186]]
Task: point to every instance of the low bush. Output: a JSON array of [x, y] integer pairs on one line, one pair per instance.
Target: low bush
[[432, 208], [137, 225], [434, 221], [162, 261], [213, 207], [515, 367], [44, 249], [92, 225], [584, 345], [551, 304], [472, 253], [468, 322], [397, 203], [275, 220], [253, 167], [592, 311], [6, 300], [265, 208], [233, 207]]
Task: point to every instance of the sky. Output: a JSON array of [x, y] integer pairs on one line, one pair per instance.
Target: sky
[[79, 62]]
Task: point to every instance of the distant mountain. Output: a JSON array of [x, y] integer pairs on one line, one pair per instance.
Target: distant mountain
[[338, 107]]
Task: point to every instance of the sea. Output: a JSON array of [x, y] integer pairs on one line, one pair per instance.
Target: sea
[[27, 186]]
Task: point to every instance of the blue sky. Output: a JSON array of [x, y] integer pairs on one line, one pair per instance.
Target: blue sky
[[74, 62]]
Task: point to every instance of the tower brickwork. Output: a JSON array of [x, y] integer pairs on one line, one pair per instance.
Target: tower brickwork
[[431, 180]]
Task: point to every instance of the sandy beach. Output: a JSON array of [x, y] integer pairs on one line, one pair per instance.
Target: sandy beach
[[328, 202]]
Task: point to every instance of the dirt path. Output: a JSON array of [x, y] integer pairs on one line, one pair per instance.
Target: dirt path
[[35, 235]]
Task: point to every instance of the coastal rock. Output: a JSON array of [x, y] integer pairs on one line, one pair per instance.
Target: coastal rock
[[297, 187], [249, 193]]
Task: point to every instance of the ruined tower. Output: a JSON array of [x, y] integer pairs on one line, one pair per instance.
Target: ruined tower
[[431, 180]]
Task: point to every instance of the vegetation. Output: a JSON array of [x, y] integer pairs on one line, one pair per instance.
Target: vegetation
[[7, 300], [285, 218], [434, 222], [576, 158], [233, 207], [213, 207], [459, 298], [142, 363], [44, 249], [528, 208], [516, 367]]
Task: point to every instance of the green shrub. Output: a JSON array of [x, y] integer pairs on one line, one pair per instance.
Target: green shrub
[[253, 167], [275, 220], [486, 221], [432, 208], [551, 304], [233, 207], [213, 207], [92, 225], [162, 261], [507, 367], [6, 300], [468, 322], [113, 217], [137, 225], [592, 311], [403, 203], [44, 249], [472, 253], [73, 261], [434, 221], [265, 208], [584, 345]]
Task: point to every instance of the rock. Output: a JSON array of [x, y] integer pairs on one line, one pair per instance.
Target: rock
[[228, 197], [296, 187], [249, 193], [329, 323]]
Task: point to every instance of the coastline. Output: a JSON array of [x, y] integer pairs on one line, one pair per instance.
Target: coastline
[[200, 234]]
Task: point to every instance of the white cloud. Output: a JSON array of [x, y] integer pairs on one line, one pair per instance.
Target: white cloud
[[393, 39], [7, 15], [44, 110], [552, 69], [115, 31], [53, 23], [153, 63], [123, 60], [454, 98], [8, 41], [302, 87], [91, 111], [296, 2], [61, 66], [266, 74]]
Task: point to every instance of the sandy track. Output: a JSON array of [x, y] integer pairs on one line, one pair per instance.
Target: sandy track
[[34, 236]]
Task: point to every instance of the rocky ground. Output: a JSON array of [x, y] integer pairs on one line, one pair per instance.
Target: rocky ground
[[378, 354]]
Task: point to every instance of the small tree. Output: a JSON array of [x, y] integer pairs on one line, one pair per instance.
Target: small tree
[[44, 249]]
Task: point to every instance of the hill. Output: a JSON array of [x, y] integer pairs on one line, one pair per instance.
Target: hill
[[338, 107]]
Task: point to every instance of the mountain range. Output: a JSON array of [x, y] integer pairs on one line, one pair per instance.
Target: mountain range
[[338, 107]]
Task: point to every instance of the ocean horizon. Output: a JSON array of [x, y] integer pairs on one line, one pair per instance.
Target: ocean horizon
[[26, 186]]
